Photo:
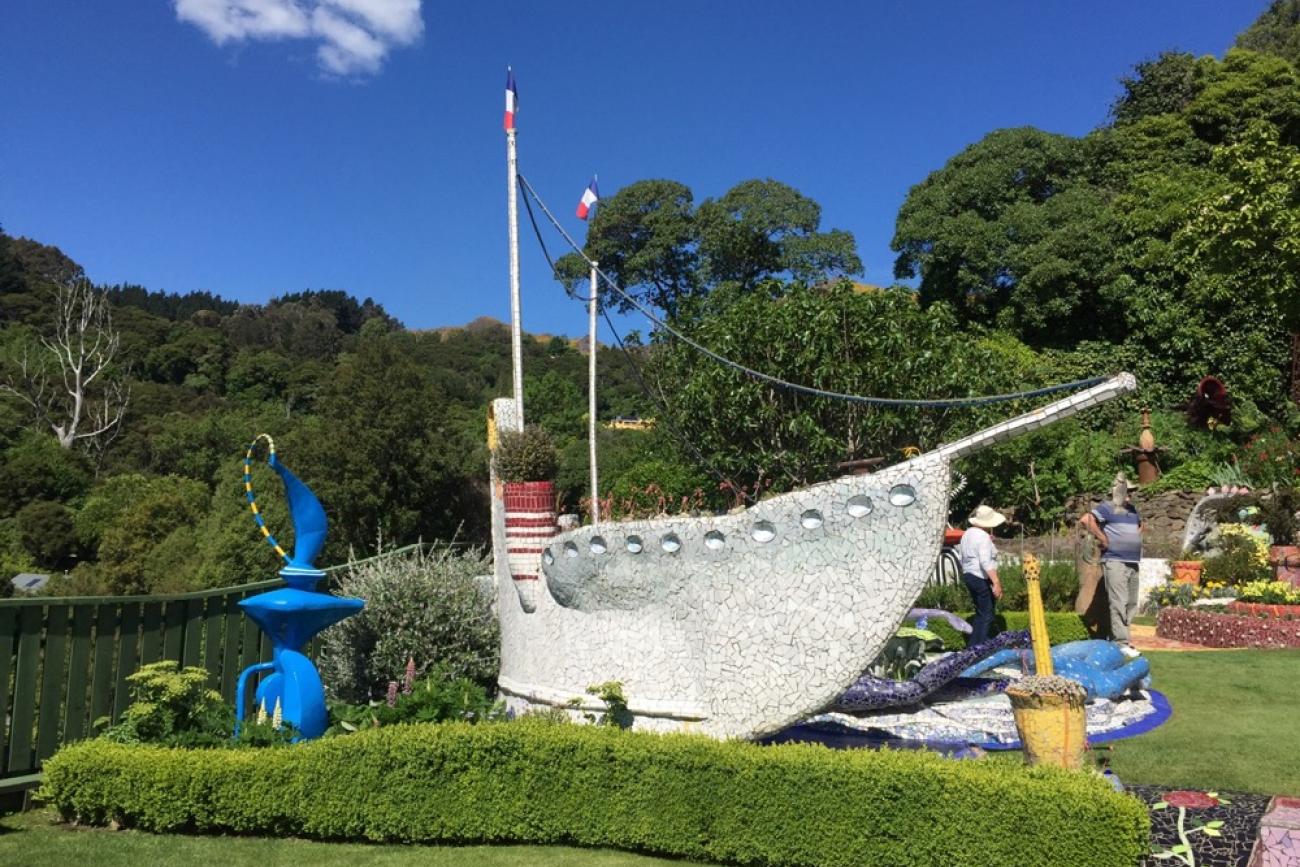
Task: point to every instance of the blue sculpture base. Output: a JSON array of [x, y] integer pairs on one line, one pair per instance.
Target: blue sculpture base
[[292, 617]]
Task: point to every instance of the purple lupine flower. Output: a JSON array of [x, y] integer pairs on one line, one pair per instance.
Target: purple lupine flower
[[392, 693], [409, 683]]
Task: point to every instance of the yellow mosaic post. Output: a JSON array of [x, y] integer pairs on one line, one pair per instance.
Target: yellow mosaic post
[[1049, 710], [1037, 620]]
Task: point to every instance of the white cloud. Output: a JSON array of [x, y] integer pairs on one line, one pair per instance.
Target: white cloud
[[354, 35]]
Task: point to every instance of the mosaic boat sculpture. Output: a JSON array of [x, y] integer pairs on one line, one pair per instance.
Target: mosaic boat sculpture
[[742, 624]]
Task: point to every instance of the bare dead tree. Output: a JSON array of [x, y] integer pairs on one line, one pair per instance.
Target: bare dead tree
[[71, 384]]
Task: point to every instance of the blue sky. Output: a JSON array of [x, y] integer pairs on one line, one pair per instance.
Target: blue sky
[[255, 147]]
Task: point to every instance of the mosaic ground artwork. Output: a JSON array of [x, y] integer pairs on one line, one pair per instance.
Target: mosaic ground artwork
[[1239, 813], [987, 722]]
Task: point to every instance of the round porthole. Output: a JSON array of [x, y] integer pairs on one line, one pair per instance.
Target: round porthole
[[634, 545], [547, 557], [860, 506], [811, 519], [598, 545], [670, 543], [902, 495], [714, 540], [763, 531], [570, 549]]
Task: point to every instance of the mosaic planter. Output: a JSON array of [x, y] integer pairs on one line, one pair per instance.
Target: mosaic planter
[[1051, 720], [1286, 563], [1187, 571], [530, 524]]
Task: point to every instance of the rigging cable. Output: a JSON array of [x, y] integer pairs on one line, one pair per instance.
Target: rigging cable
[[658, 399], [777, 381]]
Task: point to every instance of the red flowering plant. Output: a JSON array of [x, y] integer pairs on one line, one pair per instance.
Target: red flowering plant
[[1270, 458]]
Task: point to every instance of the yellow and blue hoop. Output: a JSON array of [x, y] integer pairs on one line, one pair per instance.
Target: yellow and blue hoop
[[251, 495]]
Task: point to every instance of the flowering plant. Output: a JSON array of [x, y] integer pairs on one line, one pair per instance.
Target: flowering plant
[[1270, 458], [1186, 800], [1269, 593]]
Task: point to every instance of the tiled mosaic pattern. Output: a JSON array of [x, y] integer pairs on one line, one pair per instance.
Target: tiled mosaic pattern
[[978, 719], [1279, 835], [737, 625], [1240, 813]]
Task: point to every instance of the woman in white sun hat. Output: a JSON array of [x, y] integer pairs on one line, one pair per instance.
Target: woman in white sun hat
[[979, 569]]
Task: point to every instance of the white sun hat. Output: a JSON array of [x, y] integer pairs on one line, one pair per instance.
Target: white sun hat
[[987, 518]]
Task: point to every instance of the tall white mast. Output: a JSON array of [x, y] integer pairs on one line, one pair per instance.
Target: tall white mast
[[591, 391], [516, 317]]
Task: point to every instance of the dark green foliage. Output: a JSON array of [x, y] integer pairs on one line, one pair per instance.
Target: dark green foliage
[[1276, 31], [1062, 627], [47, 534], [664, 253], [36, 468], [422, 606], [527, 455], [1166, 84], [679, 795], [830, 337], [437, 697]]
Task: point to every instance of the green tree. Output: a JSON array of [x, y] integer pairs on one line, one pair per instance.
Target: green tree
[[878, 343], [1166, 84], [1276, 31], [150, 544], [663, 251], [47, 534]]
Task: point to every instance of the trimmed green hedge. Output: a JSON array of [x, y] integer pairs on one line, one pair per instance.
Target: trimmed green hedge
[[1062, 627], [681, 795]]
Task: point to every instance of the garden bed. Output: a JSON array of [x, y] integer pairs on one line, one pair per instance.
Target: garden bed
[[1212, 629]]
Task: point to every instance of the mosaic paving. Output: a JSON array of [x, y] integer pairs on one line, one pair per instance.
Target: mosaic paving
[[986, 721], [1239, 812]]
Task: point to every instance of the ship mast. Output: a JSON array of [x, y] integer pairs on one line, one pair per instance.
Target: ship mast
[[512, 169]]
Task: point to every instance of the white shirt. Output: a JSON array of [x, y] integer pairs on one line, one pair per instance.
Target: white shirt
[[978, 556]]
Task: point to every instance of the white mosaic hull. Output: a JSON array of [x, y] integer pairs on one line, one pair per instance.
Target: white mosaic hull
[[737, 625]]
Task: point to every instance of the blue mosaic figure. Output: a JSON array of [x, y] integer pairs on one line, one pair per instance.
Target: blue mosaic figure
[[1101, 667], [293, 615]]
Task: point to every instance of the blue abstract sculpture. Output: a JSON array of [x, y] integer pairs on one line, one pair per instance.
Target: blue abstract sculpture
[[293, 615], [1099, 666]]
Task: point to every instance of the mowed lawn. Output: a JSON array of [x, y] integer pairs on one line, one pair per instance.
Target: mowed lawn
[[1236, 723], [33, 840]]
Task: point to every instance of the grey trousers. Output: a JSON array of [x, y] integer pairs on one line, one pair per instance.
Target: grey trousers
[[1122, 589]]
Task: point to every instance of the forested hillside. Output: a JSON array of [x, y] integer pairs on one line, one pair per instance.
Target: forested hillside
[[388, 426]]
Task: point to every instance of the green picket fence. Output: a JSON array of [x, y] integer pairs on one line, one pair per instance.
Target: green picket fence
[[64, 660]]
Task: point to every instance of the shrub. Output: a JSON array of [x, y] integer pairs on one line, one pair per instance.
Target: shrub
[[1242, 558], [1062, 627], [528, 455], [679, 795], [435, 698], [1058, 582], [172, 705], [422, 605]]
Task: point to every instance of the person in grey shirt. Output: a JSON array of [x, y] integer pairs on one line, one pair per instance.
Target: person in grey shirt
[[979, 569], [1117, 527]]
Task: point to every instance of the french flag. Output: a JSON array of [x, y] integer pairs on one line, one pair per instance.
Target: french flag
[[512, 99], [589, 199]]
